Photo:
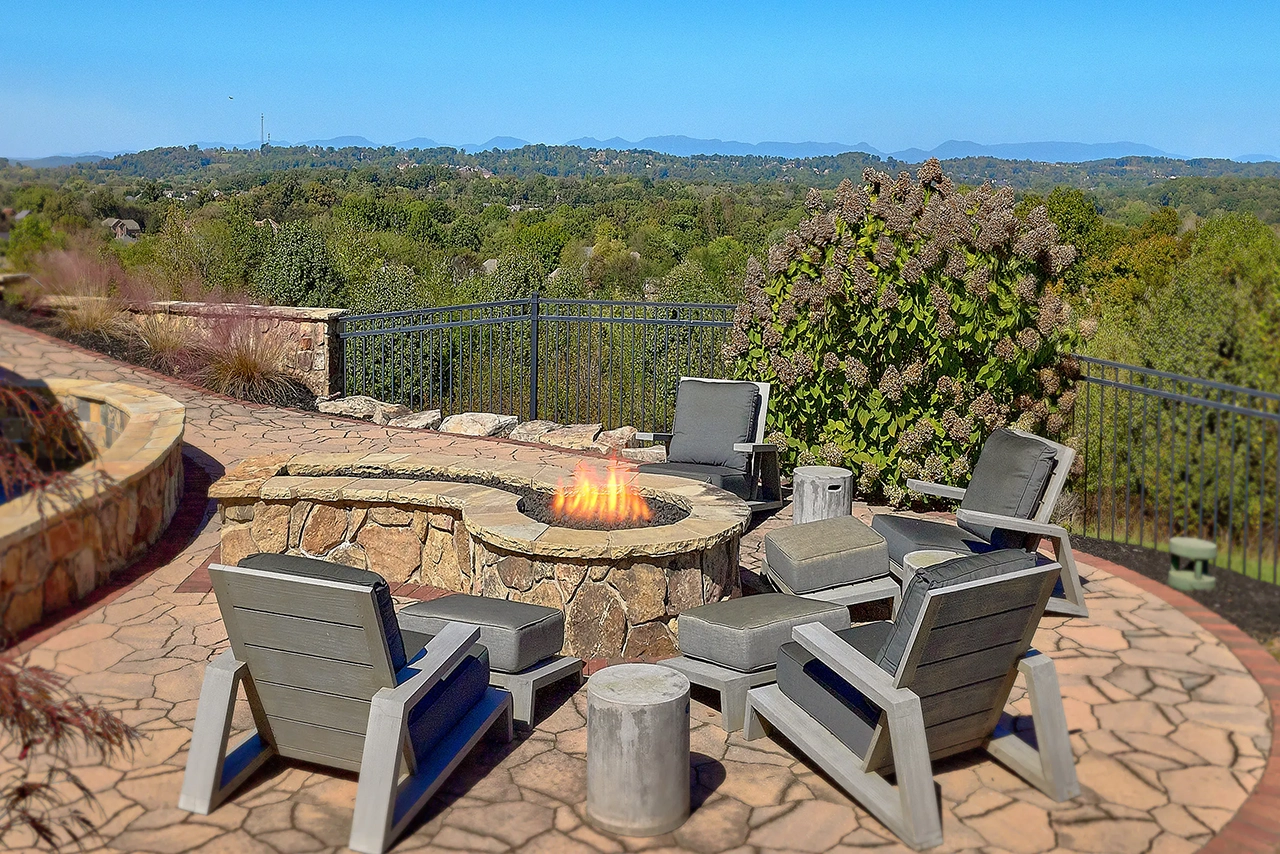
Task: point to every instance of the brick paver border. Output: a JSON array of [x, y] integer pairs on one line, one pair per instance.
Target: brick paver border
[[1255, 828]]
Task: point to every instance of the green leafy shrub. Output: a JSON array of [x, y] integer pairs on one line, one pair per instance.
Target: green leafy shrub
[[297, 269], [903, 325]]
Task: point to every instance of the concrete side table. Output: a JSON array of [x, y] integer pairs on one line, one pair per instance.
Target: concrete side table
[[637, 749], [1191, 558], [820, 492]]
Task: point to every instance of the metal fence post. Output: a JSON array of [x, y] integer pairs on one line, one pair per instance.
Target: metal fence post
[[533, 357]]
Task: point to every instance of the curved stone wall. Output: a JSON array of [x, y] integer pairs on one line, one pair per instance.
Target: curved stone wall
[[620, 590], [55, 554]]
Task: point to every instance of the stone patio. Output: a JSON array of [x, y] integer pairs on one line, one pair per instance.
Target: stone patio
[[1172, 733]]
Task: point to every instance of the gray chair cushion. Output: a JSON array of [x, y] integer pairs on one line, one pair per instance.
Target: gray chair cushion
[[744, 634], [313, 568], [830, 700], [826, 553], [940, 576], [416, 642], [733, 480], [1009, 479], [906, 534], [516, 634], [710, 418], [446, 704]]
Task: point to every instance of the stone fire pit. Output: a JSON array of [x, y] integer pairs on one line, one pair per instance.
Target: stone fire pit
[[407, 517]]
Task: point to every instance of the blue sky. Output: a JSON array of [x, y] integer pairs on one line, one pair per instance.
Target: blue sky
[[1191, 78]]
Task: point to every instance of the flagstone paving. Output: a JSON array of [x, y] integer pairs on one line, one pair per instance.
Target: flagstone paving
[[1170, 731]]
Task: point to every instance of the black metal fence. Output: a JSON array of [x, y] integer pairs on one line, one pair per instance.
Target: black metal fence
[[1171, 455], [563, 360]]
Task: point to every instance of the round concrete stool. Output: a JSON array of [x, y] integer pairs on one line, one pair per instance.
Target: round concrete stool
[[820, 492], [637, 749], [1199, 554]]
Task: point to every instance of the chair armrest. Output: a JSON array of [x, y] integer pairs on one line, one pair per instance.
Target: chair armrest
[[755, 448], [664, 438], [850, 664], [1012, 523], [439, 657], [939, 489]]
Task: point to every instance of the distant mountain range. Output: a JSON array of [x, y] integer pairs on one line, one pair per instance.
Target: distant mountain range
[[685, 146]]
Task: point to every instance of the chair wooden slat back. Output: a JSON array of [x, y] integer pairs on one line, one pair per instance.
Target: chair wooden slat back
[[963, 655], [316, 652]]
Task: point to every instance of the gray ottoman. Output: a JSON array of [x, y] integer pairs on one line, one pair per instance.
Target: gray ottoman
[[732, 646], [523, 641], [834, 560]]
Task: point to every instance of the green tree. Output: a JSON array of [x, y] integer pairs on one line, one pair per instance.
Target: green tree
[[29, 237], [297, 269]]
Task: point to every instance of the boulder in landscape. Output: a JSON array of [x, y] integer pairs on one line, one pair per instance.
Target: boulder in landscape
[[532, 431], [428, 419], [362, 406], [616, 440], [478, 424], [577, 437]]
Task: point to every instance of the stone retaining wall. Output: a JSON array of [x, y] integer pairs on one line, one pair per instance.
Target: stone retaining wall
[[620, 591], [313, 332], [125, 499]]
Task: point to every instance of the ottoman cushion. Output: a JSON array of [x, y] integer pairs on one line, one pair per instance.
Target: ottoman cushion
[[517, 634], [827, 553], [744, 634]]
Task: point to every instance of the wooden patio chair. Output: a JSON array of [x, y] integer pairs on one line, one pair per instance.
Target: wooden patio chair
[[1008, 503], [885, 697], [325, 673], [717, 437]]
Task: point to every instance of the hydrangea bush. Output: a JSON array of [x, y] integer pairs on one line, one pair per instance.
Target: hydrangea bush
[[905, 323]]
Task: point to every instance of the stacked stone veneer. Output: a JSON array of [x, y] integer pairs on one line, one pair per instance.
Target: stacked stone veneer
[[620, 590], [55, 553], [312, 333]]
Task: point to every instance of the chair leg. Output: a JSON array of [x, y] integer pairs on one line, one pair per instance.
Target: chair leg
[[1071, 603], [921, 822], [1051, 766], [212, 773]]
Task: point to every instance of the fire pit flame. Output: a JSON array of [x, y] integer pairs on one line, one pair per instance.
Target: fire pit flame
[[610, 502]]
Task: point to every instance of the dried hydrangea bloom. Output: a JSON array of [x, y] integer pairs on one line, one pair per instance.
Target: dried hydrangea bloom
[[956, 264], [831, 362], [777, 438], [1040, 409], [913, 270], [778, 259], [930, 254], [960, 468], [929, 171], [770, 336], [813, 200], [868, 476], [891, 383], [1055, 423], [935, 467], [844, 193], [864, 284], [912, 440], [960, 429], [1027, 421], [1050, 381], [945, 325], [783, 369], [1026, 288], [1038, 217], [909, 468], [978, 281], [913, 201], [831, 453], [832, 281], [1067, 401], [889, 298], [1070, 366], [1024, 401], [894, 494], [939, 298], [944, 384], [803, 364], [1048, 323], [787, 312], [1028, 339], [886, 252], [857, 372], [755, 273], [1006, 350], [913, 374], [738, 342], [806, 457]]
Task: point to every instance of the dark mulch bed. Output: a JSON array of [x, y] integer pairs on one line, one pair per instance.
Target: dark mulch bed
[[1250, 604], [296, 395]]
